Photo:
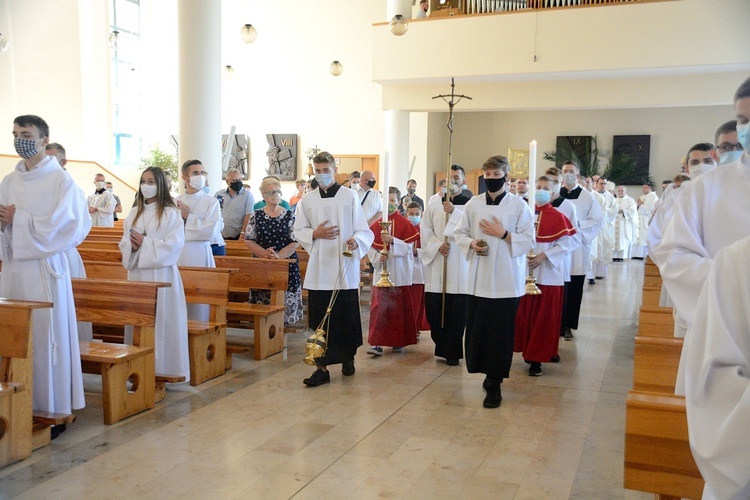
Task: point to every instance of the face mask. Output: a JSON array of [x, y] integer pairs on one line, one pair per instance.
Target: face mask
[[371, 184], [197, 182], [542, 197], [443, 190], [205, 189], [236, 186], [414, 219], [110, 190], [26, 148], [570, 179], [411, 191], [392, 209], [101, 185], [729, 157], [324, 180], [494, 185], [455, 188], [698, 170], [554, 187], [149, 190], [743, 135]]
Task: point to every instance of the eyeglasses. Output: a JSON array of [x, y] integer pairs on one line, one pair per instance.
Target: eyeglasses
[[272, 193], [725, 147]]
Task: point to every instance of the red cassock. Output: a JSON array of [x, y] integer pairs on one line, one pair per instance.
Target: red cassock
[[392, 317], [417, 293], [538, 316]]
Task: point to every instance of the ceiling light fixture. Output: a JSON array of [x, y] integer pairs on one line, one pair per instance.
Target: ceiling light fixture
[[399, 25], [248, 33]]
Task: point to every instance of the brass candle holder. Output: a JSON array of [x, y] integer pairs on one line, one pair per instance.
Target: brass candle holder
[[531, 288], [483, 245], [385, 276]]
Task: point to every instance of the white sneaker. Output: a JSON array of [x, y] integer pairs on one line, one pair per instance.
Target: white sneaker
[[398, 349], [375, 350]]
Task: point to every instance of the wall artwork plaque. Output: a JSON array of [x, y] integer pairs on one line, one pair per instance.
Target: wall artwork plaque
[[639, 147], [282, 156], [573, 147], [238, 156], [519, 163]]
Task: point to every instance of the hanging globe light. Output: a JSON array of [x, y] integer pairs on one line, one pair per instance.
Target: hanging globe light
[[113, 40], [228, 72], [3, 43], [336, 68], [248, 33], [399, 25]]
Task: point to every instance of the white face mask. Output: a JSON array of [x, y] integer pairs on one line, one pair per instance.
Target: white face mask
[[149, 190], [100, 184], [197, 182], [700, 169], [570, 179]]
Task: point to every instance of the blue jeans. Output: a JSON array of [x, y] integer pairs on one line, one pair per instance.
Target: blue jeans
[[218, 249]]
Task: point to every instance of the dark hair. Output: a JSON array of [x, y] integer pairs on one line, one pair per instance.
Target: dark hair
[[496, 163], [459, 168], [442, 182], [701, 146], [544, 178], [414, 204], [33, 121], [57, 146], [163, 198], [314, 183], [743, 91], [571, 162], [354, 174], [394, 190], [553, 171], [186, 166], [667, 181], [412, 180], [681, 178], [725, 128], [324, 157]]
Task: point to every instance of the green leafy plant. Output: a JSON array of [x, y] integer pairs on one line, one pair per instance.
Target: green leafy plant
[[159, 158], [588, 162], [623, 168]]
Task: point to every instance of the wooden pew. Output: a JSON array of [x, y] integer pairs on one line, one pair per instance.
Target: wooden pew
[[128, 379], [655, 362], [657, 453], [17, 438], [92, 254], [267, 321], [651, 276], [650, 295], [206, 340], [655, 322]]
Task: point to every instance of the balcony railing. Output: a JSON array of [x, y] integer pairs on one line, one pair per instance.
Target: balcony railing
[[486, 6]]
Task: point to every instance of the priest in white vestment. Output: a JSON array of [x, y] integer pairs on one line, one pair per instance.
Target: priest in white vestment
[[102, 204], [605, 241], [716, 357], [42, 214], [201, 215], [626, 225], [646, 203]]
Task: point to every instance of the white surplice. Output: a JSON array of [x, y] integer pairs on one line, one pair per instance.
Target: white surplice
[[156, 260], [77, 270], [502, 272], [326, 259], [626, 227], [648, 203], [400, 262], [433, 231], [51, 216], [569, 210], [105, 204], [552, 270], [606, 239], [202, 224], [717, 365], [589, 215]]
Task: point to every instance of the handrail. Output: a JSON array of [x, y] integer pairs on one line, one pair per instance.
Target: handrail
[[90, 162]]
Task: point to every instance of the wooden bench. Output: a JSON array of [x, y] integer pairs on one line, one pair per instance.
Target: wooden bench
[[267, 321], [99, 255], [206, 339], [655, 363], [651, 275], [128, 379], [17, 436], [650, 296], [656, 322], [657, 452]]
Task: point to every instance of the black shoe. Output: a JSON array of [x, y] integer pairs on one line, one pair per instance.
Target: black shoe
[[320, 377], [600, 277], [555, 359], [637, 258], [347, 368], [451, 362], [592, 282], [567, 334], [535, 370], [56, 430], [493, 397]]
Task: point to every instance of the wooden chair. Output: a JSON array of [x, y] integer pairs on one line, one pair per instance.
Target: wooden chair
[[16, 382]]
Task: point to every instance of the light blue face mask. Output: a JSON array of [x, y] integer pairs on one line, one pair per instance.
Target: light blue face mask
[[205, 189], [325, 180], [729, 157], [414, 219], [542, 197], [743, 135]]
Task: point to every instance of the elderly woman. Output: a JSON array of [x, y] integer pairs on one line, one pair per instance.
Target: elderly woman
[[269, 235]]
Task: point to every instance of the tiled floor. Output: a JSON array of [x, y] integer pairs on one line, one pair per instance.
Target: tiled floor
[[405, 426]]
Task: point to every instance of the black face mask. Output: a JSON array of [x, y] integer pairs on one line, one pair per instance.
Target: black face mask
[[371, 184], [236, 186], [494, 185]]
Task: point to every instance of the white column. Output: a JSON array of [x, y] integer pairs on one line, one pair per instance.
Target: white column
[[394, 7], [199, 55], [397, 149]]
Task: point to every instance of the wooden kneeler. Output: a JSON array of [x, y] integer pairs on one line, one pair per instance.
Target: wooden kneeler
[[17, 380]]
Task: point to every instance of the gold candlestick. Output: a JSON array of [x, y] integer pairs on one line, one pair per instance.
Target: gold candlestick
[[531, 288], [385, 276]]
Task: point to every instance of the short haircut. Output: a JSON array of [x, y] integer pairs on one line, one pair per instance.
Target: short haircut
[[681, 178], [701, 146], [100, 175], [414, 204], [571, 162], [354, 174], [33, 121], [394, 190], [553, 171], [496, 163], [412, 180], [667, 181], [271, 180], [109, 183], [300, 182], [58, 147], [186, 166], [459, 168], [544, 178], [232, 171], [743, 91], [725, 128], [442, 182], [324, 157]]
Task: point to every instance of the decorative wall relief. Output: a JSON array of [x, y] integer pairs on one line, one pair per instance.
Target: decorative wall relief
[[282, 156]]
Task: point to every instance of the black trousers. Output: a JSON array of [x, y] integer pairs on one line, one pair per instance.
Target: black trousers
[[490, 334], [572, 302], [344, 327], [449, 338]]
